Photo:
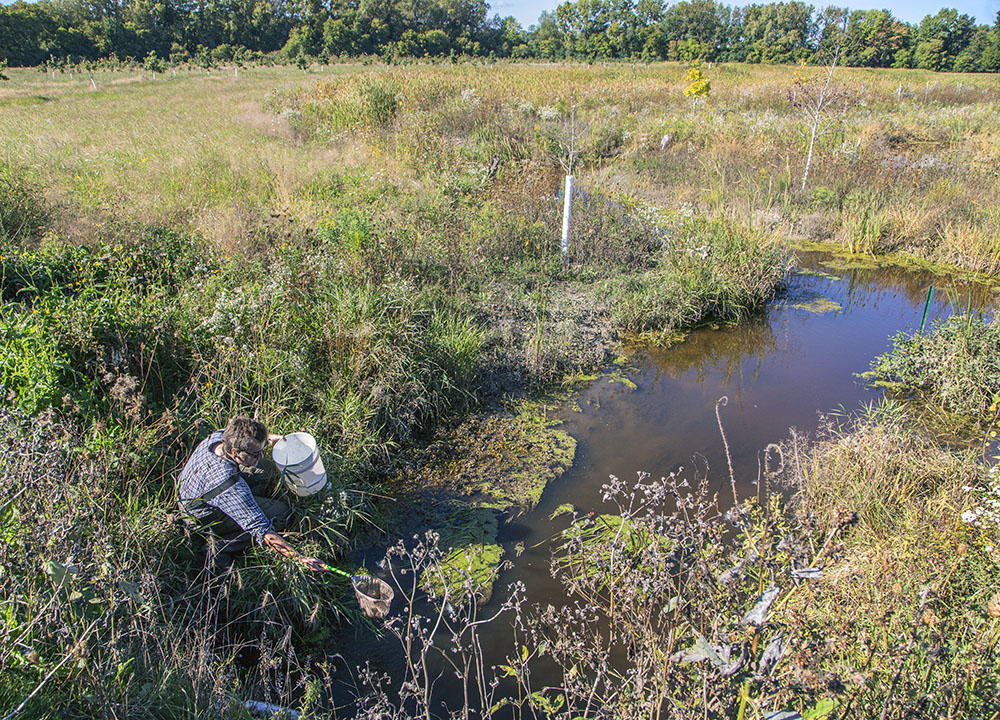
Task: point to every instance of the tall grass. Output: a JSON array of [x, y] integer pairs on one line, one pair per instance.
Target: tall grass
[[22, 214], [924, 149], [364, 257], [719, 270]]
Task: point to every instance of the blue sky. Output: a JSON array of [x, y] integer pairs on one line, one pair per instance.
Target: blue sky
[[985, 11]]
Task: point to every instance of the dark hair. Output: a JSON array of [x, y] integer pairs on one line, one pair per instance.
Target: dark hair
[[241, 431]]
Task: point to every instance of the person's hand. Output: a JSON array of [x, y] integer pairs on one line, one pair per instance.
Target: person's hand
[[273, 438], [311, 563]]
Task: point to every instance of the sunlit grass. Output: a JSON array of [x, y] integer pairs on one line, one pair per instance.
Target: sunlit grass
[[221, 154]]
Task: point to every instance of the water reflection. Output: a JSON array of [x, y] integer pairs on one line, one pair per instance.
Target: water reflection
[[799, 359], [783, 369], [860, 283], [734, 354]]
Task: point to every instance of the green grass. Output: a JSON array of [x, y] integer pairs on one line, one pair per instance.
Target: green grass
[[954, 365], [367, 253]]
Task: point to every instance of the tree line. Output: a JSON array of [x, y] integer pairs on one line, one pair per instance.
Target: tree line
[[214, 31]]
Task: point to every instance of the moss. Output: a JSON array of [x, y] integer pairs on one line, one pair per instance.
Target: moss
[[655, 338], [502, 461], [471, 473], [619, 377], [470, 568], [843, 260], [817, 273], [472, 557], [856, 262], [564, 509], [467, 525]]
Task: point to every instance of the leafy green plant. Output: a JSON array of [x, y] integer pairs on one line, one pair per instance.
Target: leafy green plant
[[957, 364]]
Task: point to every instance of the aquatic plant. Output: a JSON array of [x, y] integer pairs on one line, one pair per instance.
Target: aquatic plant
[[956, 364], [677, 608]]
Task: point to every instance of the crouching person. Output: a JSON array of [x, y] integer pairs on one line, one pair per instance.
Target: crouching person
[[223, 488]]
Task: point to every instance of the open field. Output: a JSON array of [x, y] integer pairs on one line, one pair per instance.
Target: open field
[[368, 252], [909, 165]]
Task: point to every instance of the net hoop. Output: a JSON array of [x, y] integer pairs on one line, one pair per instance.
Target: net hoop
[[374, 595]]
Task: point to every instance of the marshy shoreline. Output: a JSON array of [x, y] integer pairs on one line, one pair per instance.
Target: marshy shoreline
[[372, 255]]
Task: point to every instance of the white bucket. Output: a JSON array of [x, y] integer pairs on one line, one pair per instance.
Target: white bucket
[[300, 464]]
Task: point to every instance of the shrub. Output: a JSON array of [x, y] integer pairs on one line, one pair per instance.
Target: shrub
[[957, 364], [81, 325]]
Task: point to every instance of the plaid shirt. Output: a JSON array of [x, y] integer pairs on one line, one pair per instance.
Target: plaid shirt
[[206, 470]]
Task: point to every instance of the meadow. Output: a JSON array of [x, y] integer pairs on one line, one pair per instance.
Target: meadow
[[372, 252]]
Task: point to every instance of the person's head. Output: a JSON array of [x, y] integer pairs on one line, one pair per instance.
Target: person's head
[[243, 440]]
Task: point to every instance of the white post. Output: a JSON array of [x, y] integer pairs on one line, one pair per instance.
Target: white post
[[567, 207]]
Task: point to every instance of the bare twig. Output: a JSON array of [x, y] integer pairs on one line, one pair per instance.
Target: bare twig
[[724, 400], [820, 105]]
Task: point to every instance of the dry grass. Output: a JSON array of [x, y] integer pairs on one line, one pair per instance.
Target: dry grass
[[906, 496], [202, 150]]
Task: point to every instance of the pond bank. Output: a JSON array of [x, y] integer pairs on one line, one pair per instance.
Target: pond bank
[[876, 523]]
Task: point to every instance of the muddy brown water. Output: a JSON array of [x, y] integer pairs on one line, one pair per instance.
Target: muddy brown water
[[795, 361], [798, 360]]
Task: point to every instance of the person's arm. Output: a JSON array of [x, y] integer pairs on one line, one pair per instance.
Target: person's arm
[[277, 543]]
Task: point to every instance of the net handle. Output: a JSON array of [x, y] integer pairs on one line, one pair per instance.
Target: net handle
[[337, 570]]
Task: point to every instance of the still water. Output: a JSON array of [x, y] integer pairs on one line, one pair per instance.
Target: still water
[[799, 359], [794, 362]]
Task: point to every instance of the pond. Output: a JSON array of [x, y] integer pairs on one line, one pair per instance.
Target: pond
[[794, 363], [799, 359]]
